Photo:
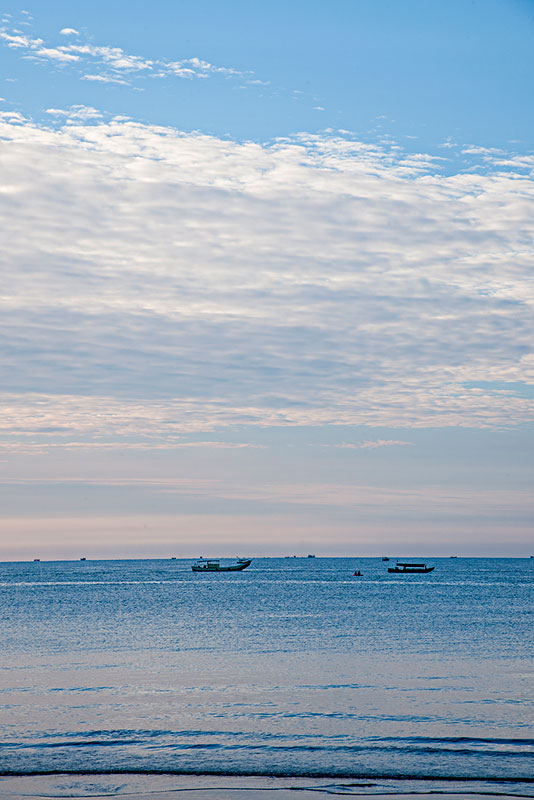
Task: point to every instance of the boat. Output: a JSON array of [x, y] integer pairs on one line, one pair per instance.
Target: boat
[[409, 568], [214, 565], [311, 555], [357, 574], [385, 558]]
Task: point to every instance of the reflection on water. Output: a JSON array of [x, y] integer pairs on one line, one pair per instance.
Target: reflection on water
[[288, 668]]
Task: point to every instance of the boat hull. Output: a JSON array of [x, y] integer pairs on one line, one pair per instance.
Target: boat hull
[[415, 571]]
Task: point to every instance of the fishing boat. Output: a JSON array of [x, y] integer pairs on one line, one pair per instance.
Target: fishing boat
[[385, 558], [409, 568], [214, 565]]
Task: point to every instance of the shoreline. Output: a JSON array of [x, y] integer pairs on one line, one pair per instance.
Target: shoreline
[[135, 786]]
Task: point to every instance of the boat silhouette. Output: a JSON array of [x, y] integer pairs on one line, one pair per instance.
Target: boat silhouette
[[409, 568], [214, 565]]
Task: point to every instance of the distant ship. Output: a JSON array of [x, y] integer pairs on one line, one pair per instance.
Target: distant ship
[[214, 565], [409, 568]]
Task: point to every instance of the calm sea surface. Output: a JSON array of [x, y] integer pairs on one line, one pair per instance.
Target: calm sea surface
[[292, 667]]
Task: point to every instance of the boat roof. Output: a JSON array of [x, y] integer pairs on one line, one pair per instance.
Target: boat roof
[[410, 564]]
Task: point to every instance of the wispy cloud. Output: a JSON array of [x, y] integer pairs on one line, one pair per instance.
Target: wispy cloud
[[454, 501], [109, 64], [33, 448], [370, 445]]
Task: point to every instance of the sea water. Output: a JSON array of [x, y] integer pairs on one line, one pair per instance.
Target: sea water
[[293, 667]]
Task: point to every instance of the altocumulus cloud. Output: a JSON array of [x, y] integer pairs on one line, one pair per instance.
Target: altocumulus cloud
[[157, 282]]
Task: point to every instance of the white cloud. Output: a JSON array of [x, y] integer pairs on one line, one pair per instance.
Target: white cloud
[[197, 68], [34, 47], [16, 41], [158, 283], [104, 79], [77, 112], [56, 53], [114, 57], [69, 32]]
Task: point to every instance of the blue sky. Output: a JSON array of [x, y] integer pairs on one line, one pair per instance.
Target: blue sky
[[434, 71], [268, 278]]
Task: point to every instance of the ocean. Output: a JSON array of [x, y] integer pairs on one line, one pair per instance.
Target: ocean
[[137, 669]]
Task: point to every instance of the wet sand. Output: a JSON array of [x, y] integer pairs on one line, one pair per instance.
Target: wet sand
[[194, 787]]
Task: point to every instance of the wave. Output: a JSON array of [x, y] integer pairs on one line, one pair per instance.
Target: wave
[[251, 747], [279, 773], [141, 736]]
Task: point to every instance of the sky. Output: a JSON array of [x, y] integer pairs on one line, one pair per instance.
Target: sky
[[266, 278]]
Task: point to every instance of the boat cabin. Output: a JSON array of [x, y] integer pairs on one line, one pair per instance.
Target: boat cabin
[[410, 567]]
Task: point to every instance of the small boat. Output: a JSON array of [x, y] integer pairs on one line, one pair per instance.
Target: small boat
[[357, 574], [409, 568], [214, 565], [385, 558], [311, 555], [83, 558]]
